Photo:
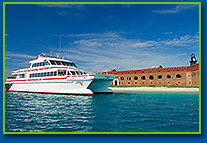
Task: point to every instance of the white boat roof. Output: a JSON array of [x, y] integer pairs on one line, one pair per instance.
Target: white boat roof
[[42, 58]]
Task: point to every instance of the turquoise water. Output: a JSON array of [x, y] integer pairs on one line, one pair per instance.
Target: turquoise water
[[118, 112]]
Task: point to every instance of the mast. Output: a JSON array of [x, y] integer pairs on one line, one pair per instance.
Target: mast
[[51, 52], [60, 46]]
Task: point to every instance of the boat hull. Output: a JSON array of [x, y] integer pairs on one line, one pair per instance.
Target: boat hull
[[75, 85], [100, 84]]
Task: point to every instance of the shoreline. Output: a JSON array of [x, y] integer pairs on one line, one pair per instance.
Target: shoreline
[[154, 89]]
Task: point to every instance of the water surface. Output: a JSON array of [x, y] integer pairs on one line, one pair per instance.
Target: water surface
[[118, 112]]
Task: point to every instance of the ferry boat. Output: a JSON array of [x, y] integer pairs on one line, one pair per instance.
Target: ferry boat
[[50, 74]]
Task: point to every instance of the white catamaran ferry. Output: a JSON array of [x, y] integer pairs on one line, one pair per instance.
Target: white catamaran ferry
[[49, 74]]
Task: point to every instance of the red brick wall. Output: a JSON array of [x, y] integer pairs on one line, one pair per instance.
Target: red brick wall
[[189, 76]]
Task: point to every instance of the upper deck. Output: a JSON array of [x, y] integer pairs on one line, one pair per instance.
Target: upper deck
[[43, 62]]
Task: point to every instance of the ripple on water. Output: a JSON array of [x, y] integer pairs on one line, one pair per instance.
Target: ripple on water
[[120, 112]]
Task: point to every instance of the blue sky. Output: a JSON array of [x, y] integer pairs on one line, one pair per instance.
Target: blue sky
[[103, 37]]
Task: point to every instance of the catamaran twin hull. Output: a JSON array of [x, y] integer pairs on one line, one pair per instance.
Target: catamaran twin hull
[[77, 84], [49, 74]]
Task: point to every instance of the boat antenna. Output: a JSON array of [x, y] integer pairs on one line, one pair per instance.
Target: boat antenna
[[51, 52], [60, 43]]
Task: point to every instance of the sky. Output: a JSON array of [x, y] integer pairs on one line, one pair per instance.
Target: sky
[[102, 37]]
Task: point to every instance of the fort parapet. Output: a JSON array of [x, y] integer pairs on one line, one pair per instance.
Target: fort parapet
[[186, 76]]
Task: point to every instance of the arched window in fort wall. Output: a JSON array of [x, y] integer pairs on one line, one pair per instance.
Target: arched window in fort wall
[[128, 78], [143, 77], [195, 77], [115, 82], [122, 78], [159, 76], [151, 77], [178, 76]]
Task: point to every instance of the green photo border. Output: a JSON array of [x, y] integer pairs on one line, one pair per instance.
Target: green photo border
[[6, 3]]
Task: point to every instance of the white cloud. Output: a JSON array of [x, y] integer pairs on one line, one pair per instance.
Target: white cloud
[[65, 6], [186, 40], [7, 58], [15, 61], [143, 44], [108, 34], [103, 51], [177, 9], [69, 13], [19, 55], [168, 33], [71, 10], [182, 54], [127, 5]]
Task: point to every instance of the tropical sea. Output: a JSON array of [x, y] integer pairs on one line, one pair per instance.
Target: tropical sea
[[117, 112]]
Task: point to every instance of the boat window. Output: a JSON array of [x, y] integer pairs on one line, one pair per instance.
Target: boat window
[[52, 62], [64, 63], [34, 65], [46, 63], [80, 73], [35, 74], [77, 72], [38, 64], [58, 62], [61, 73], [51, 73], [45, 74], [73, 73], [41, 74], [73, 65], [38, 74], [22, 76], [68, 73], [48, 74], [41, 64], [68, 64], [55, 73], [84, 72]]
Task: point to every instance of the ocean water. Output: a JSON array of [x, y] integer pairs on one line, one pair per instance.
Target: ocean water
[[117, 112]]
